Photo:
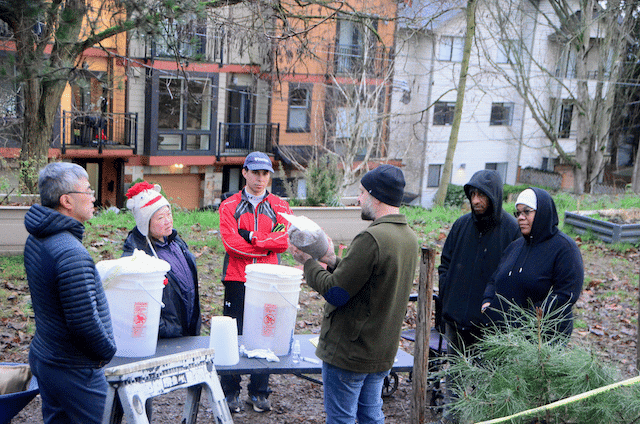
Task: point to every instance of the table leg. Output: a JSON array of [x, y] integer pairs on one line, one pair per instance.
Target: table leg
[[112, 408], [192, 404], [133, 405]]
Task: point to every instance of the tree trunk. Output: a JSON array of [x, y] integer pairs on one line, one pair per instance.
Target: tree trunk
[[583, 104], [441, 194]]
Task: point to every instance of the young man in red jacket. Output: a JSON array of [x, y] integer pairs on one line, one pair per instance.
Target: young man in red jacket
[[253, 231]]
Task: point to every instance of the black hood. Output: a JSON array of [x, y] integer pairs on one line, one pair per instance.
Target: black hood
[[545, 223], [490, 183]]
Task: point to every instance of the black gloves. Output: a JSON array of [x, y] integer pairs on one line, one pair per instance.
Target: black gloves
[[245, 235]]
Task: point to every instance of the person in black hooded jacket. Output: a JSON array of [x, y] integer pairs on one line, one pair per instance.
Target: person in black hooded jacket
[[542, 269], [470, 255]]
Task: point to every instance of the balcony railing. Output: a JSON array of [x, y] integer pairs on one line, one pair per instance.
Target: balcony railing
[[354, 60], [240, 139], [99, 130]]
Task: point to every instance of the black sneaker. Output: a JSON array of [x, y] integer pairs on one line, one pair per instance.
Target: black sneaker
[[233, 402], [260, 403]]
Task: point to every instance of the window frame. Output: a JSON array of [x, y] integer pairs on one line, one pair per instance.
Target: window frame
[[565, 119], [443, 117], [448, 45], [308, 88], [500, 167], [431, 169], [504, 122], [187, 136], [177, 31]]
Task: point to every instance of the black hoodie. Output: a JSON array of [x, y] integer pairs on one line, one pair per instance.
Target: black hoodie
[[472, 252], [546, 261]]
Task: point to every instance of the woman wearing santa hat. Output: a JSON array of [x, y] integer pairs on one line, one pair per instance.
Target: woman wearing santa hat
[[154, 234]]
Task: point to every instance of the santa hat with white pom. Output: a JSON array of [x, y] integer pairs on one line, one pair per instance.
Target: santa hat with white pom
[[144, 200]]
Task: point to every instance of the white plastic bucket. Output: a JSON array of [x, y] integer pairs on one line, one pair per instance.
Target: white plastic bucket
[[224, 340], [133, 286], [270, 307]]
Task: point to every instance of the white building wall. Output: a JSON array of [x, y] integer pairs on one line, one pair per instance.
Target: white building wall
[[136, 101], [521, 144]]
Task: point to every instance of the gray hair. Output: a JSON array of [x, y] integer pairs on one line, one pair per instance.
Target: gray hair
[[58, 178]]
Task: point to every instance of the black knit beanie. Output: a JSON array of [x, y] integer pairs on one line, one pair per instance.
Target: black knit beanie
[[385, 183]]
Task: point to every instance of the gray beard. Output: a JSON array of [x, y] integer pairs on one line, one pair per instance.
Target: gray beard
[[365, 216]]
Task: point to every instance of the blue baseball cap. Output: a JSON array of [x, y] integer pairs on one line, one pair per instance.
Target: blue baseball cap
[[257, 160]]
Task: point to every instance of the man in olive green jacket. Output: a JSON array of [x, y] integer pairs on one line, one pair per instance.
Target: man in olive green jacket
[[367, 294]]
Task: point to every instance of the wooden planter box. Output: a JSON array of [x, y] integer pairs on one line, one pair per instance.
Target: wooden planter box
[[342, 224], [606, 231], [13, 235]]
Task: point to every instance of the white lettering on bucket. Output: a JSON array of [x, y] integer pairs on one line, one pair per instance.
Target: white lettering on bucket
[[139, 319], [269, 320]]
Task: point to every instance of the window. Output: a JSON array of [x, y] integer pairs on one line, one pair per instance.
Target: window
[[364, 124], [443, 113], [501, 114], [508, 51], [451, 49], [568, 69], [566, 114], [547, 164], [182, 39], [433, 177], [184, 113], [356, 41], [299, 108], [500, 167]]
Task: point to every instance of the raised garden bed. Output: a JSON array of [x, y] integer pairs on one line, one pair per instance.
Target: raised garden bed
[[13, 235], [609, 225]]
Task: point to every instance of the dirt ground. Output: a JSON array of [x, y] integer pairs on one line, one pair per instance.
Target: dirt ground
[[606, 320]]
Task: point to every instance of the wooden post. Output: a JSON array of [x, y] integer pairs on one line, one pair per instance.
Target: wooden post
[[637, 334], [419, 403]]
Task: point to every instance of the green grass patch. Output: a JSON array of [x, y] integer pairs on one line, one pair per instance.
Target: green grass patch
[[12, 267], [579, 323]]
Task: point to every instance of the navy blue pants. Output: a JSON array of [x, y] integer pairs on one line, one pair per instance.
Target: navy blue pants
[[70, 395], [234, 308]]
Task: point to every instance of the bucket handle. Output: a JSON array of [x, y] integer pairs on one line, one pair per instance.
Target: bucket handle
[[273, 286], [160, 302]]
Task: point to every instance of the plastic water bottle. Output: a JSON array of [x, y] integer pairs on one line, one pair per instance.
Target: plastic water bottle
[[295, 353]]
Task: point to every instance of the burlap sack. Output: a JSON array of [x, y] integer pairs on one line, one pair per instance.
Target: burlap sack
[[14, 378]]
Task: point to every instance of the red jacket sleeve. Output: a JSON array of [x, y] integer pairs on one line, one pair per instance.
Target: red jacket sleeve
[[276, 241]]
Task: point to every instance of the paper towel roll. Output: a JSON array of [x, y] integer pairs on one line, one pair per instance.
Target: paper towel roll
[[224, 339]]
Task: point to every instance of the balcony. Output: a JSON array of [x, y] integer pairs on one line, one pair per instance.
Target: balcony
[[236, 139], [354, 60], [92, 130]]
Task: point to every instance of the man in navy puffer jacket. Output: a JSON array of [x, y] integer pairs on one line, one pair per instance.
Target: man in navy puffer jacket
[[74, 338]]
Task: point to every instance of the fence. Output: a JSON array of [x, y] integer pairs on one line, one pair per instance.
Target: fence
[[537, 177]]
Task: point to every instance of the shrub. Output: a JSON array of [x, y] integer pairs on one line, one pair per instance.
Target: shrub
[[455, 196], [527, 365], [323, 182]]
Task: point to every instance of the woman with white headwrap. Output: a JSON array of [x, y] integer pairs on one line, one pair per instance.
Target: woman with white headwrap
[[543, 269]]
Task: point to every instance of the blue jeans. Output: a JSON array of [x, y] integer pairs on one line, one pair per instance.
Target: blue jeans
[[349, 395], [70, 395]]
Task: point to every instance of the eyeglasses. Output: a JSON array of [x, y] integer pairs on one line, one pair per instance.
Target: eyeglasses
[[89, 192], [525, 212]]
